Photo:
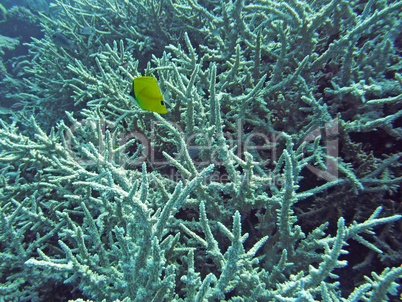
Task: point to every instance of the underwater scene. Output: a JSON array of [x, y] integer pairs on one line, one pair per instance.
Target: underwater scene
[[200, 150]]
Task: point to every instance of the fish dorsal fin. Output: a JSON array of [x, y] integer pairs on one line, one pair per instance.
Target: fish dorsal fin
[[147, 87]]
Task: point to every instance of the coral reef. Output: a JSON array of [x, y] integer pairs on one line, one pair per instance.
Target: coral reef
[[274, 176], [7, 43]]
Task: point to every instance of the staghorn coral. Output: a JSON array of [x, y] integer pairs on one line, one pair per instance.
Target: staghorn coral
[[7, 43], [120, 239], [271, 93]]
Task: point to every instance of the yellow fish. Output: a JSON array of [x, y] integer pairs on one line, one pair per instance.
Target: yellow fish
[[147, 94]]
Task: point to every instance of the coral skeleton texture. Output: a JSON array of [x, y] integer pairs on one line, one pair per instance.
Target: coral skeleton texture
[[274, 176]]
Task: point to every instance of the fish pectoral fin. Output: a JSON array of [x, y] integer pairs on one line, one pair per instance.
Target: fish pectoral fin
[[166, 98]]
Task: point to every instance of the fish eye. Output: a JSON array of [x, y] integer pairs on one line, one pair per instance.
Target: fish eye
[[162, 103]]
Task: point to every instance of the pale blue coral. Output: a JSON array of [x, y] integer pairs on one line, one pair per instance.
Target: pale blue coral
[[74, 211]]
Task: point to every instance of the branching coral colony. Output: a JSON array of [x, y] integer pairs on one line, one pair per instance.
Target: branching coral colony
[[254, 186]]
